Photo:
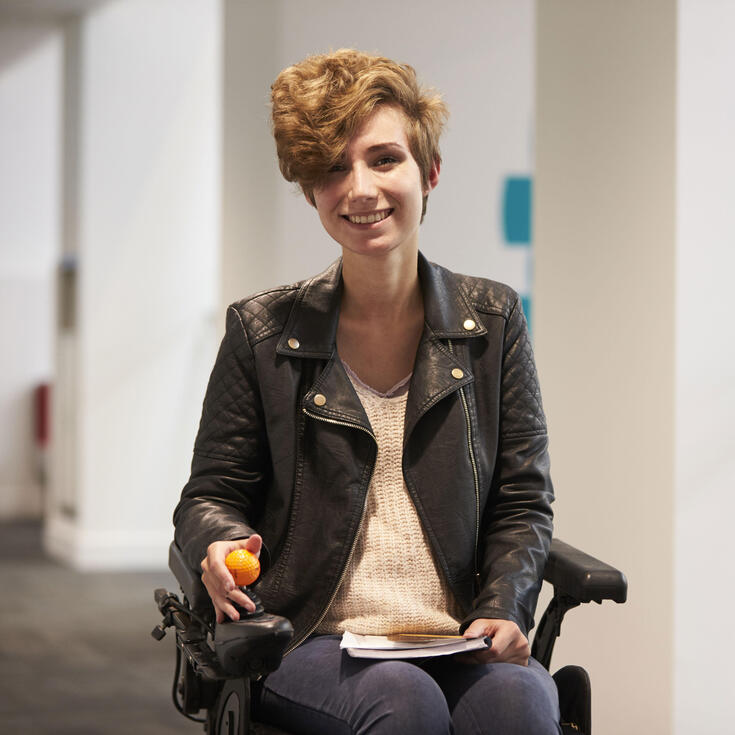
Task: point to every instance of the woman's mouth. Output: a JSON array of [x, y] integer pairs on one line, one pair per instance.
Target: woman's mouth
[[368, 218]]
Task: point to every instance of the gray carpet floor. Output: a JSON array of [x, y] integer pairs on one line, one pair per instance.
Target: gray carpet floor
[[76, 654]]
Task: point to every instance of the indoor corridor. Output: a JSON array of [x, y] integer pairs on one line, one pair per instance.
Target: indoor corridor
[[76, 655]]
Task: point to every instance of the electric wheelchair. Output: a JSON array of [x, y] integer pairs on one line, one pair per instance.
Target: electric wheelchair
[[216, 665]]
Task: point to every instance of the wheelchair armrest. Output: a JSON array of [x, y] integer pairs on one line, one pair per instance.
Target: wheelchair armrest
[[577, 578], [581, 577], [191, 584]]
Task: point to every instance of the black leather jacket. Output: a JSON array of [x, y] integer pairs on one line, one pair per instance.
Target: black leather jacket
[[285, 447]]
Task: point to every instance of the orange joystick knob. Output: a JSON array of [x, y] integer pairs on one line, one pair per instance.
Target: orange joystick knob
[[244, 566]]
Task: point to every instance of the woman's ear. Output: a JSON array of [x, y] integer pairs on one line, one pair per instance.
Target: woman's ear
[[433, 179]]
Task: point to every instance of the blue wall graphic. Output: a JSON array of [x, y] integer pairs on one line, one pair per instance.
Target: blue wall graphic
[[516, 218]]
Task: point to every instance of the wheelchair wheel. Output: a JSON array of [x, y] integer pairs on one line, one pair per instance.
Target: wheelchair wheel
[[231, 713], [575, 698]]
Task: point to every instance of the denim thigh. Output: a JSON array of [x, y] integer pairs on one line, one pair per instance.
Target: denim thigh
[[498, 698], [321, 690]]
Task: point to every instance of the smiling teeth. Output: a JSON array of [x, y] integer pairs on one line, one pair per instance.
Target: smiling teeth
[[367, 219]]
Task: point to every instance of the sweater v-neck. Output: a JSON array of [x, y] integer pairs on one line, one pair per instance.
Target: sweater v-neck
[[399, 389]]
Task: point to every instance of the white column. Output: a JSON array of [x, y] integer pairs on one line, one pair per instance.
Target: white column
[[705, 369], [145, 217], [605, 332], [249, 166], [30, 90]]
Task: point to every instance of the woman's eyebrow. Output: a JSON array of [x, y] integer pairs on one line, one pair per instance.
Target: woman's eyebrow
[[384, 146]]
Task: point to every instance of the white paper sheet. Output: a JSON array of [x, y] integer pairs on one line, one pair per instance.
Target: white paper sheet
[[378, 646]]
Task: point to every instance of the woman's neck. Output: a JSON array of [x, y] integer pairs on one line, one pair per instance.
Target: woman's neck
[[381, 288], [381, 316]]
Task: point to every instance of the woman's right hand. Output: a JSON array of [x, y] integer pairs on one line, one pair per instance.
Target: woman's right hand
[[218, 580]]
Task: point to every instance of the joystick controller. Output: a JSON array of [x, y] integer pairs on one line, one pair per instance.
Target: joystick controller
[[245, 569], [254, 644]]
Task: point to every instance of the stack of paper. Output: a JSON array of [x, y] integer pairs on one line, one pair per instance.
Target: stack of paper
[[409, 645]]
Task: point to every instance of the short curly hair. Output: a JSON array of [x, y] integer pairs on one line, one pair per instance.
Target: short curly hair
[[318, 104]]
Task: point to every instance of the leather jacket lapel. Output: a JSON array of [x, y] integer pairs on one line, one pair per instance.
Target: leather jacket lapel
[[447, 310], [437, 373], [332, 397], [311, 332], [311, 329]]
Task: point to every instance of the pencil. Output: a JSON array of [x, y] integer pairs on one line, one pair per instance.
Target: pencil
[[421, 636]]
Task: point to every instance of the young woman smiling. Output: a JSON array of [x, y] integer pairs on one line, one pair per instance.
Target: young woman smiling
[[376, 434]]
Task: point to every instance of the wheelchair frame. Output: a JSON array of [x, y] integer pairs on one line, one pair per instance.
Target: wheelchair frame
[[214, 671]]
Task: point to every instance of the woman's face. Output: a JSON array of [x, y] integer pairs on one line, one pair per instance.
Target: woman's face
[[371, 202]]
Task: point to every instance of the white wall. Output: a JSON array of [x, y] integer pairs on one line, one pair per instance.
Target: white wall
[[30, 151], [479, 54], [635, 236], [605, 332], [249, 171], [705, 368], [147, 222]]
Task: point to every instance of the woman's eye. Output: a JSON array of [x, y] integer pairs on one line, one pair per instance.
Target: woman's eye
[[336, 167], [385, 161]]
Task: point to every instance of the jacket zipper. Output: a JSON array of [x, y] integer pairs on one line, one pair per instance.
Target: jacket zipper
[[463, 398], [297, 643]]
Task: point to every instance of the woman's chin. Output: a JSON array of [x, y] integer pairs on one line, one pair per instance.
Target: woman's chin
[[377, 247]]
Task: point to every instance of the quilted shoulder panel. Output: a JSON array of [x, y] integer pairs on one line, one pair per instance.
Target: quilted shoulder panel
[[490, 297], [522, 410], [231, 419], [266, 313]]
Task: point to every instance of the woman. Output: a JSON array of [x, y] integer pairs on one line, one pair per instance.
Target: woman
[[380, 425]]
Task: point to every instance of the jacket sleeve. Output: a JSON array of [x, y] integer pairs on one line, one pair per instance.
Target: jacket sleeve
[[517, 527], [229, 468]]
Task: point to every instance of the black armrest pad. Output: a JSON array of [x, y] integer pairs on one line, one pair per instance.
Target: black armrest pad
[[191, 583], [582, 577]]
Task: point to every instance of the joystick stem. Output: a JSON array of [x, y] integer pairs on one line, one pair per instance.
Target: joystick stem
[[246, 614]]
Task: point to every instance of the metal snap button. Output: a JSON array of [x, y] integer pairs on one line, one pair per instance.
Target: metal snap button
[[293, 343], [319, 399], [469, 324], [457, 373]]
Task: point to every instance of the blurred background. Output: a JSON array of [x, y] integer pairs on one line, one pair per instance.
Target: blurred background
[[588, 163]]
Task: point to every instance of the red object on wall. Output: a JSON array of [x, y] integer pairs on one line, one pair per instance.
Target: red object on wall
[[42, 400]]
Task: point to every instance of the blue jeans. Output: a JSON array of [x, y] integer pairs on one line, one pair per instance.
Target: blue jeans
[[320, 690]]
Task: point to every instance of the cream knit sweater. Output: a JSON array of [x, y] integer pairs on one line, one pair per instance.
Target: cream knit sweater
[[392, 583]]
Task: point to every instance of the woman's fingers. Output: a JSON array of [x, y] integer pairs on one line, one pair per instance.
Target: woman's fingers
[[218, 580], [217, 553], [509, 645], [254, 544]]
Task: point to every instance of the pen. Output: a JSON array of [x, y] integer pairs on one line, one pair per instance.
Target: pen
[[421, 636], [427, 638]]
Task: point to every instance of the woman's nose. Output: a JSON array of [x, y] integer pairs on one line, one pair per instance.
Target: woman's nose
[[362, 185]]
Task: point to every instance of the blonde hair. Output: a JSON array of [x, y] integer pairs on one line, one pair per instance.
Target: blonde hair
[[318, 104]]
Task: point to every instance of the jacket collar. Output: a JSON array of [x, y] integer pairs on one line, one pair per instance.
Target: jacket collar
[[311, 329]]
